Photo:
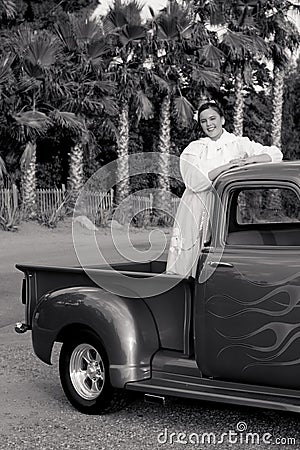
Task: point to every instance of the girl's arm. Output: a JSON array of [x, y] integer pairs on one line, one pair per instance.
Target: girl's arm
[[264, 157], [258, 152], [198, 173], [218, 170]]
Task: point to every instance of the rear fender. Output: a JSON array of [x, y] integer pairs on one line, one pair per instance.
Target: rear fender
[[124, 325]]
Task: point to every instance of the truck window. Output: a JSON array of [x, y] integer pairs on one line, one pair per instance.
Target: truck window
[[265, 216]]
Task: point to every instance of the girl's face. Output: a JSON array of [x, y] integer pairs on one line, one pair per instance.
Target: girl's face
[[211, 123]]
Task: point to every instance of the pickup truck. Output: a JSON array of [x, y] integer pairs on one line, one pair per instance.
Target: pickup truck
[[230, 334]]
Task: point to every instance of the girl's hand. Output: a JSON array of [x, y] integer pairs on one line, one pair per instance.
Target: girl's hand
[[240, 161], [253, 159], [237, 162]]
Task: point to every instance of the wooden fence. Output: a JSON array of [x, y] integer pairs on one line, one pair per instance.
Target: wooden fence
[[9, 199], [49, 200], [147, 204], [95, 204]]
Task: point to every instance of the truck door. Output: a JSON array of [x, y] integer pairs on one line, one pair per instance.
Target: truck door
[[247, 313]]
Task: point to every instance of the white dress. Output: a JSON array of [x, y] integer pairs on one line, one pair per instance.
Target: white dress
[[196, 161]]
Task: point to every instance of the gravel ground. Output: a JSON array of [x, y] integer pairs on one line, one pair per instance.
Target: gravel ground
[[34, 413]]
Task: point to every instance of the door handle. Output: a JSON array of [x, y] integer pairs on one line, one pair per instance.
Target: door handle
[[220, 264]]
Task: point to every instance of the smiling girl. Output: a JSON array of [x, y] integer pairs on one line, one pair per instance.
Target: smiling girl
[[201, 162]]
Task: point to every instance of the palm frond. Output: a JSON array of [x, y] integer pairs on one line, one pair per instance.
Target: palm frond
[[187, 31], [289, 34], [279, 54], [96, 50], [26, 85], [167, 28], [91, 106], [65, 33], [5, 68], [68, 120], [184, 110], [34, 120], [27, 155], [206, 77], [258, 45], [212, 55], [131, 33], [57, 89], [211, 11], [33, 70], [86, 29], [3, 171], [121, 14], [157, 81], [8, 8], [174, 21], [109, 106], [132, 11], [175, 10], [109, 129], [144, 107], [115, 19], [21, 39], [236, 43], [42, 51], [105, 87]]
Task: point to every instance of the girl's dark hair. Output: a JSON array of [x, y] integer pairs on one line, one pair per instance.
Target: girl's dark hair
[[213, 105]]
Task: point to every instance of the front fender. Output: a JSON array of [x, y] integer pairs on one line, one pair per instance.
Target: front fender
[[125, 326]]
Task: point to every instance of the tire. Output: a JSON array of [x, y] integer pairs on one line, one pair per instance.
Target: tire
[[84, 375]]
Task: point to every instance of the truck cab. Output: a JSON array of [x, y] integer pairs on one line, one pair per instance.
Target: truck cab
[[230, 334]]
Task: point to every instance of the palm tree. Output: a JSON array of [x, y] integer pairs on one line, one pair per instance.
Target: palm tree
[[283, 37], [127, 33], [21, 121], [241, 44], [87, 87], [74, 125], [39, 101], [27, 127], [6, 80], [182, 59], [168, 29], [34, 58]]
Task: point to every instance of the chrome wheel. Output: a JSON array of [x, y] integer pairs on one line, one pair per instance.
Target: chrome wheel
[[87, 371]]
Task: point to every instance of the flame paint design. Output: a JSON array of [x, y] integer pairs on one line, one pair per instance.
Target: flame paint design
[[285, 334], [294, 300], [294, 276], [281, 331]]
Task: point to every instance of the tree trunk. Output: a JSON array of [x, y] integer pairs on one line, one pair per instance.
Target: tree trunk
[[76, 174], [123, 150], [277, 100], [29, 181], [238, 111], [122, 186], [164, 149]]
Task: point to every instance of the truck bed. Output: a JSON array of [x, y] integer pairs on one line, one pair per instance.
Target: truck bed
[[170, 305]]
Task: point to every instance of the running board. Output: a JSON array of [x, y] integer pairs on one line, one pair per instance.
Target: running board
[[167, 387]]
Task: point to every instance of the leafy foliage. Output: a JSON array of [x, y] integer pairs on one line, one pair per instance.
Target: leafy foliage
[[63, 76], [291, 115]]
